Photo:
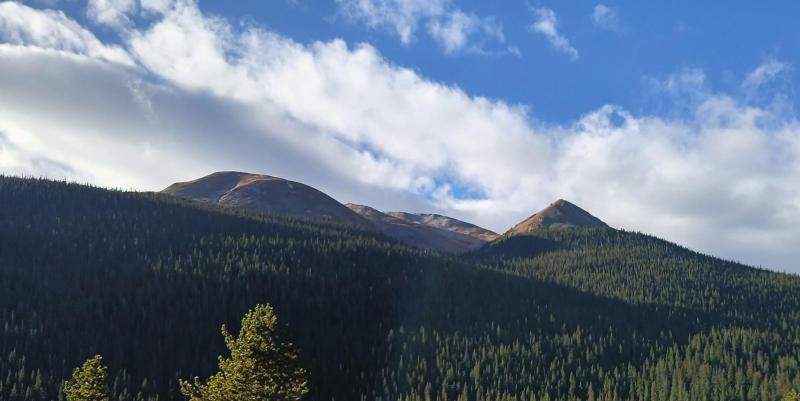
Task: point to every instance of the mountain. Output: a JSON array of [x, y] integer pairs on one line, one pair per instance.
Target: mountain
[[530, 237], [146, 280], [558, 215], [479, 235], [426, 231], [266, 194]]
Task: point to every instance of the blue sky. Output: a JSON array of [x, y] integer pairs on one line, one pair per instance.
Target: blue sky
[[649, 40], [677, 119], [617, 58]]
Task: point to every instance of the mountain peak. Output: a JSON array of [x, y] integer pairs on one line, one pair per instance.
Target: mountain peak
[[558, 215], [264, 193]]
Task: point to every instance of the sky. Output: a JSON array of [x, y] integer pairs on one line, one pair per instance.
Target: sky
[[676, 119]]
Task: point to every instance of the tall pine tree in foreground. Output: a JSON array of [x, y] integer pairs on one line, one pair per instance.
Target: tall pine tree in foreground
[[262, 366], [88, 382]]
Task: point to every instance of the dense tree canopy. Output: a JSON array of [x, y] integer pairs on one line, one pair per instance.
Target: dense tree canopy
[[146, 280]]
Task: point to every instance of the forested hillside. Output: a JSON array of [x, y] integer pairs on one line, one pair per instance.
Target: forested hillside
[[577, 314]]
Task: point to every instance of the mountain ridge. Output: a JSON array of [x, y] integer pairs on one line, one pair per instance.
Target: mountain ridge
[[445, 234], [270, 194], [447, 223], [265, 193]]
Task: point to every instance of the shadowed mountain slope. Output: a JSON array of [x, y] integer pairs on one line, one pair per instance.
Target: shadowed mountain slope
[[440, 233], [479, 235]]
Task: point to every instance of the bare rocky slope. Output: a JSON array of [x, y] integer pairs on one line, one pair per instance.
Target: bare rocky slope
[[267, 194], [558, 215], [474, 235], [425, 230]]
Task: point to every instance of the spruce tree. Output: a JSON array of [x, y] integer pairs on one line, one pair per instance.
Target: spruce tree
[[262, 366], [88, 382]]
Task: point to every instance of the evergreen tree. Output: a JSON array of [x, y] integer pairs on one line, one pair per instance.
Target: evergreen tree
[[88, 382], [793, 395], [262, 366]]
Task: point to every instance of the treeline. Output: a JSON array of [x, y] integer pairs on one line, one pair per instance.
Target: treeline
[[145, 280]]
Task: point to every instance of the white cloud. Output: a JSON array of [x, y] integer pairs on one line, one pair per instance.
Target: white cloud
[[547, 24], [159, 6], [113, 13], [401, 16], [766, 72], [454, 31], [15, 161], [117, 13], [452, 28], [50, 29], [605, 17], [346, 120], [103, 129], [682, 90]]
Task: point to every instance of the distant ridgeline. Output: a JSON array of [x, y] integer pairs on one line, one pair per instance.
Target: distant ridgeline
[[562, 307]]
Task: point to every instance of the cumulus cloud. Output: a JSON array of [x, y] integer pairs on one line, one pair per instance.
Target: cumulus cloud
[[15, 161], [547, 24], [50, 29], [146, 135], [451, 27], [605, 17], [202, 95]]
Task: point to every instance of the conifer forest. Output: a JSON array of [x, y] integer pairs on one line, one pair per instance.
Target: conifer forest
[[596, 314]]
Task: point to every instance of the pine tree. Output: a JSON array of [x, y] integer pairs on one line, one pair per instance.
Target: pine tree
[[261, 367], [88, 382]]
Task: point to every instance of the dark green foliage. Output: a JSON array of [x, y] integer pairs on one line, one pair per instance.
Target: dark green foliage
[[595, 315], [518, 246], [262, 366], [88, 382]]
